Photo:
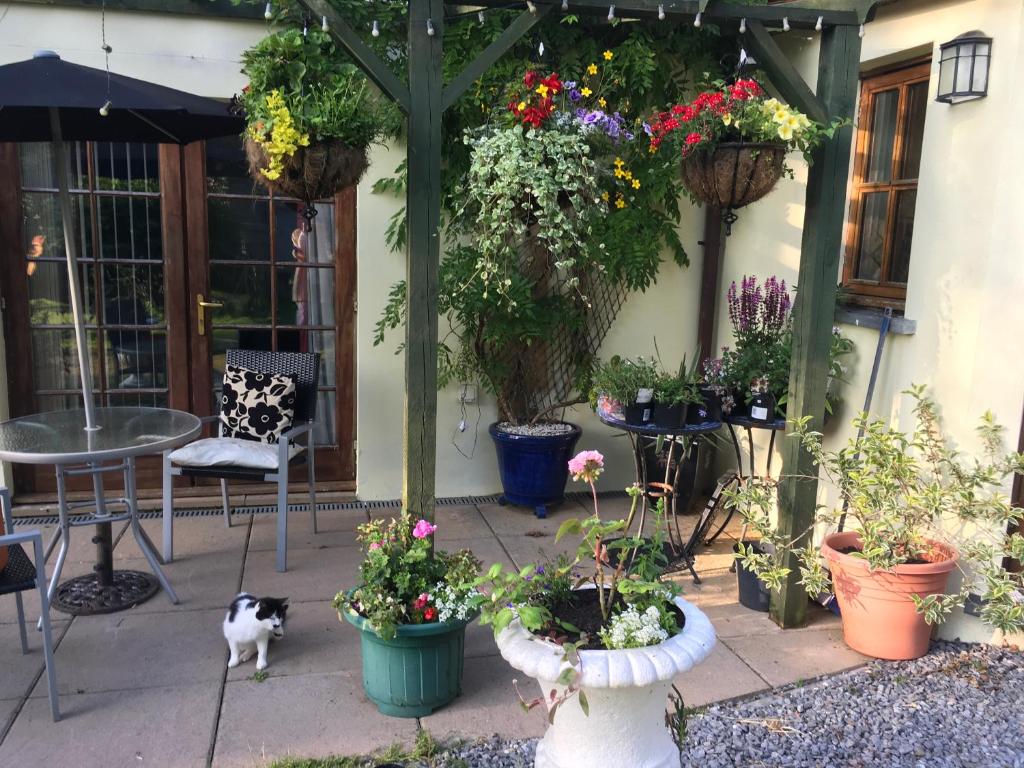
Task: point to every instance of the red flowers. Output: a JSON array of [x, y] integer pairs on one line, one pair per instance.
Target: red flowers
[[538, 103], [529, 79], [704, 116], [693, 138], [430, 614]]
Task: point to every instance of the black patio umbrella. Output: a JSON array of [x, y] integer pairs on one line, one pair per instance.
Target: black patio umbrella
[[48, 99]]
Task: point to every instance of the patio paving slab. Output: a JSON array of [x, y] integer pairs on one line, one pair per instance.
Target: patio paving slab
[[19, 671], [461, 522], [202, 580], [512, 520], [488, 705], [335, 528], [788, 656], [722, 675], [313, 575], [315, 641], [302, 716], [192, 536], [167, 727], [128, 650]]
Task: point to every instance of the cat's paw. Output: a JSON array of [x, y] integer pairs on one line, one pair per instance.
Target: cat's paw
[[232, 663], [245, 656], [261, 664]]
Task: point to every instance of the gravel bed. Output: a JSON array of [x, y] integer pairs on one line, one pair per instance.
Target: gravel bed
[[535, 430], [961, 706]]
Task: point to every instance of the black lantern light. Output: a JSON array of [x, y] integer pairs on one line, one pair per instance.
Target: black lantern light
[[963, 68]]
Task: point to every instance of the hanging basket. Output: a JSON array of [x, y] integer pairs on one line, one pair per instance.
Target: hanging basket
[[312, 173], [734, 174]]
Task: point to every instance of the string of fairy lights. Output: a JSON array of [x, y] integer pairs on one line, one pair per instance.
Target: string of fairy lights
[[375, 28]]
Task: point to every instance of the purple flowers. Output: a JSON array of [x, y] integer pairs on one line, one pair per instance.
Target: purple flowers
[[614, 126], [759, 312]]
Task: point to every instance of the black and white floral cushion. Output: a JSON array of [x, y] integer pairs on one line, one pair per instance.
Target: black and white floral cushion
[[256, 406]]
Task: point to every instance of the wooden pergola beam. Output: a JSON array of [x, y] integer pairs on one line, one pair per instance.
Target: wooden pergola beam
[[712, 11], [784, 75], [364, 56], [487, 58]]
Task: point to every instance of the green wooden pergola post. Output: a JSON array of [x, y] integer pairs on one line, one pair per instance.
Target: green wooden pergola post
[[820, 248]]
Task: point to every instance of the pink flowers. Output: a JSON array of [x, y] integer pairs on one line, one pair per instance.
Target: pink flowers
[[421, 602], [586, 465], [374, 545], [423, 529]]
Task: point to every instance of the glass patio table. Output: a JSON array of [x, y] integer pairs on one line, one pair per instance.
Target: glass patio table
[[121, 434]]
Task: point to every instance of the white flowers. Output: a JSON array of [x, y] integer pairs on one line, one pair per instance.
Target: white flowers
[[632, 629], [451, 605]]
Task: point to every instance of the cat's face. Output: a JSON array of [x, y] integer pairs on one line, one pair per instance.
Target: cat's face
[[272, 612]]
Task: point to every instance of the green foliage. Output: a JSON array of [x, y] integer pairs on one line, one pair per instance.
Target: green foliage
[[327, 96], [906, 493], [621, 378], [399, 569]]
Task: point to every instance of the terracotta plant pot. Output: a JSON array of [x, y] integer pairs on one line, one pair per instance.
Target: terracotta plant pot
[[312, 173], [879, 617], [734, 175]]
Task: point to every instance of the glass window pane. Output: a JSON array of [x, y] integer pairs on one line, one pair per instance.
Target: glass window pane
[[872, 238], [136, 358], [244, 290], [981, 69], [292, 238], [903, 231], [963, 71], [129, 227], [43, 226], [326, 408], [49, 300], [133, 294], [55, 359], [227, 170], [139, 399], [239, 229], [883, 135], [39, 169], [126, 167], [305, 296], [913, 130]]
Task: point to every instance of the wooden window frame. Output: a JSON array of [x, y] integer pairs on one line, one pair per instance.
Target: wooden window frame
[[881, 293]]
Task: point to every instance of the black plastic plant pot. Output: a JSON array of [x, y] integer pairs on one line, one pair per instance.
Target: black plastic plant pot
[[669, 416], [762, 406], [639, 413], [753, 592], [712, 405]]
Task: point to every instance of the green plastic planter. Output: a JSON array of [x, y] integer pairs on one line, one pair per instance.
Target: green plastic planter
[[416, 672]]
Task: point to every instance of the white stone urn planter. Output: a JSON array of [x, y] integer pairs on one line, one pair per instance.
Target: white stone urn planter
[[627, 692]]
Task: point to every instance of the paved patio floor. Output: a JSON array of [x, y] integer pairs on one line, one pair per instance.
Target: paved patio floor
[[149, 686]]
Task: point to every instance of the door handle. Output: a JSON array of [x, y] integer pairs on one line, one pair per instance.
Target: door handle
[[201, 307]]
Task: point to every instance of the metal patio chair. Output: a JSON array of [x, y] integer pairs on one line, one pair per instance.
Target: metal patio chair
[[305, 366], [21, 575]]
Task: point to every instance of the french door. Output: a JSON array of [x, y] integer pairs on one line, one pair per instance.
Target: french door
[[161, 229]]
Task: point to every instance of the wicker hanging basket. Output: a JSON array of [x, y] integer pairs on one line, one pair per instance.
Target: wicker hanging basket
[[734, 174], [312, 173]]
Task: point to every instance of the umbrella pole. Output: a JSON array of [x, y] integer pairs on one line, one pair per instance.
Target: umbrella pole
[[71, 252]]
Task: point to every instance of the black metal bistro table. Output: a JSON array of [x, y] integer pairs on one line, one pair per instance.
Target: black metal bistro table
[[119, 436], [739, 476], [682, 438]]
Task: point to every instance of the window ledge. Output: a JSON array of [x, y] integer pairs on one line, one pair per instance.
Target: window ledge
[[865, 317]]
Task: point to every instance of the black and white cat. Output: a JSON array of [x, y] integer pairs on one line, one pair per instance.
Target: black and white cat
[[251, 623]]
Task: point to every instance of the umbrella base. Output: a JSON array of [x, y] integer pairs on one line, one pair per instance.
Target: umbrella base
[[84, 596]]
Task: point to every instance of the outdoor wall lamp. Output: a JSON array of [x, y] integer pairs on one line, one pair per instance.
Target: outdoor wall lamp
[[963, 68]]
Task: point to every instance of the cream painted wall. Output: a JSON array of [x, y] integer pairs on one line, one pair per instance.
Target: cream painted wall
[[965, 283], [202, 55]]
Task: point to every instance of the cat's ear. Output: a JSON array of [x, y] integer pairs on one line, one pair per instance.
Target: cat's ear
[[264, 609]]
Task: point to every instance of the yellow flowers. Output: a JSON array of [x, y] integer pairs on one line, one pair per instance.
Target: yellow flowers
[[585, 92], [605, 196], [727, 119], [636, 183], [284, 137], [789, 122], [620, 202], [542, 89], [607, 56], [521, 106], [592, 69], [602, 102]]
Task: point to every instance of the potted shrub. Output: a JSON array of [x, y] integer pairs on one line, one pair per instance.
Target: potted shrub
[[612, 639], [733, 140], [310, 115], [628, 386], [561, 211], [411, 610], [919, 511]]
